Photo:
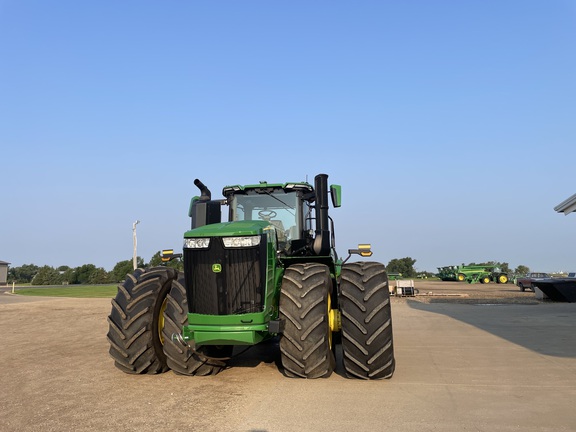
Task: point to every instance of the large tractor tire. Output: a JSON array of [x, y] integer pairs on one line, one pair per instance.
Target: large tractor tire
[[461, 277], [136, 321], [367, 345], [502, 279], [182, 358], [305, 346]]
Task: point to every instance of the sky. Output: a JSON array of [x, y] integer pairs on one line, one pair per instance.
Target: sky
[[449, 124]]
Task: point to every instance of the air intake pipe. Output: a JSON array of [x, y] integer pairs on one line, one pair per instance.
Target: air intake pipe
[[322, 239], [205, 194], [203, 210]]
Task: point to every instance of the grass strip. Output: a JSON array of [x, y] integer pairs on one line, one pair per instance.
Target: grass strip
[[75, 291]]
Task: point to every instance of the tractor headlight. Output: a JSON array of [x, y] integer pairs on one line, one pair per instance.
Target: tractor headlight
[[236, 242], [196, 243]]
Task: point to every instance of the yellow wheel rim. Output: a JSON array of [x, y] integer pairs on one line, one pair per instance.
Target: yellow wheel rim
[[334, 321], [503, 279], [161, 320], [329, 321]]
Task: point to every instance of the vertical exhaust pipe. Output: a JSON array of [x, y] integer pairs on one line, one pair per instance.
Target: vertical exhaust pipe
[[322, 240], [203, 210], [205, 194]]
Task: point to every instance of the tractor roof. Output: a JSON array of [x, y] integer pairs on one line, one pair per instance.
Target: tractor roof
[[264, 187]]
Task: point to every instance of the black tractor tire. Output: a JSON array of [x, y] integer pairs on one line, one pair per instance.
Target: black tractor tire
[[135, 323], [305, 345], [503, 279], [461, 277], [182, 358], [367, 345]]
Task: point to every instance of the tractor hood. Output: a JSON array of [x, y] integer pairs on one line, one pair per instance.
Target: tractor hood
[[229, 229]]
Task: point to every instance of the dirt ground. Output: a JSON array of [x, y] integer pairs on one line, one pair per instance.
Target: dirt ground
[[461, 292], [56, 374]]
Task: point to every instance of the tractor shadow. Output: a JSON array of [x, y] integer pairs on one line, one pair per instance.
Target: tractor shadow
[[268, 352]]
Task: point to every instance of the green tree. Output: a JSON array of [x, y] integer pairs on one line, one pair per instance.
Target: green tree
[[123, 268], [99, 276], [47, 276], [83, 273], [69, 276], [402, 265], [23, 274], [521, 270]]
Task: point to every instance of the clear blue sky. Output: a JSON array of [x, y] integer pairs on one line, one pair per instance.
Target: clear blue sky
[[451, 125]]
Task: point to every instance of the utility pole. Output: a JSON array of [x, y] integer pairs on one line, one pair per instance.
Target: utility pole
[[134, 263]]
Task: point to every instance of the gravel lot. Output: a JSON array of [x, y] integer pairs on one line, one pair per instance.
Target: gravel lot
[[56, 374], [461, 292]]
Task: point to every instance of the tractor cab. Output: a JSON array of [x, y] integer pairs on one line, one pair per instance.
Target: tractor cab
[[286, 207], [297, 212]]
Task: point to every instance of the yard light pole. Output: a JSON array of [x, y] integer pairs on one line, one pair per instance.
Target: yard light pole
[[134, 263]]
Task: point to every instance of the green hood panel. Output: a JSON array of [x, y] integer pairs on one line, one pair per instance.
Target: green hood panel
[[228, 229]]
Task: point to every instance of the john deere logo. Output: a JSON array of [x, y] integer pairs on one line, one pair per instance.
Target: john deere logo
[[216, 268]]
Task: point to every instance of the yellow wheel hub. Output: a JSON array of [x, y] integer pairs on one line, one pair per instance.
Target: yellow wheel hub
[[161, 320], [334, 320]]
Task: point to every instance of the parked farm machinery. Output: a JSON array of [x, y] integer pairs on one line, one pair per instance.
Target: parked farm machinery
[[473, 274]]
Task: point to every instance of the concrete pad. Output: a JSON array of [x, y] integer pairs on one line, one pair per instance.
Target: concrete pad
[[486, 367], [459, 367]]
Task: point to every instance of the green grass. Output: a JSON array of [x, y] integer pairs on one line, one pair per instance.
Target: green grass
[[77, 291]]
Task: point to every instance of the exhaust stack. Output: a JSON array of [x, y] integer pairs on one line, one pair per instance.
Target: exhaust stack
[[322, 240], [203, 210], [205, 194]]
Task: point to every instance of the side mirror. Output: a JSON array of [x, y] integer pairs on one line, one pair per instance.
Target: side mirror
[[336, 195], [169, 255], [364, 250]]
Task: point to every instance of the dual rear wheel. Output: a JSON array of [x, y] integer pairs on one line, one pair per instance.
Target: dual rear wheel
[[148, 310], [306, 345]]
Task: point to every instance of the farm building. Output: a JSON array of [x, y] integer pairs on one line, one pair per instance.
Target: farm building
[[3, 272], [567, 206]]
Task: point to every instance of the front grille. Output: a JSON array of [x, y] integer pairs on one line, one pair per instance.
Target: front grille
[[236, 289]]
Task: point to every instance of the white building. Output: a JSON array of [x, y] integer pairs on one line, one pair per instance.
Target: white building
[[3, 272]]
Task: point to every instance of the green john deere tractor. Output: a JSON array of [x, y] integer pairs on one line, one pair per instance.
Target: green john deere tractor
[[270, 271], [483, 273]]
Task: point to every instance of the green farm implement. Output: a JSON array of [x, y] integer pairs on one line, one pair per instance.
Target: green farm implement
[[269, 272], [473, 274]]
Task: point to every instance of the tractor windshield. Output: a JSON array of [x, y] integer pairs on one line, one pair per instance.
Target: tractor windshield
[[281, 209]]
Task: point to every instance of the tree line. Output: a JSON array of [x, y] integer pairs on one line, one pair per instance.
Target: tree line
[[84, 274], [90, 274]]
